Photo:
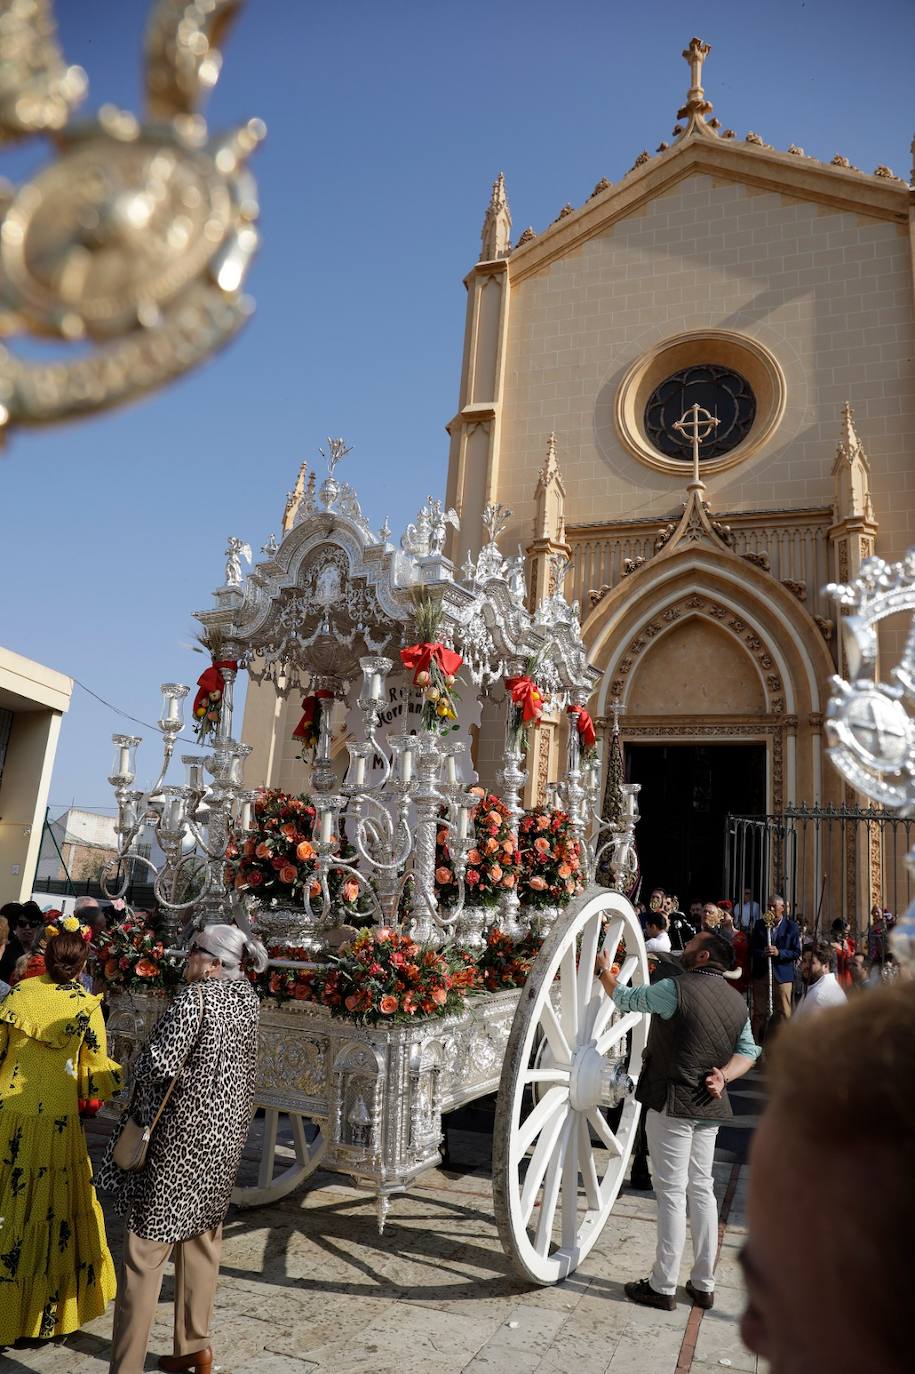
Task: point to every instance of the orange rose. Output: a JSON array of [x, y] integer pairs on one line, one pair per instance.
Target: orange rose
[[495, 873], [262, 851], [304, 850], [443, 876], [541, 845], [442, 837], [439, 996], [538, 884], [543, 822], [474, 857], [477, 791], [564, 871], [314, 888], [146, 968], [388, 1004], [508, 880], [491, 846], [494, 819], [288, 874], [350, 890], [288, 830], [508, 845], [410, 1002]]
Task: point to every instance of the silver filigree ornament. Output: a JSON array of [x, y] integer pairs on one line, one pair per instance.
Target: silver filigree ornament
[[870, 731]]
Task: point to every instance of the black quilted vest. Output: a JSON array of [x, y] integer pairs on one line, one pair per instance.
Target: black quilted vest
[[701, 1035]]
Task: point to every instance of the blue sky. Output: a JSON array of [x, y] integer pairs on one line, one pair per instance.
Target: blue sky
[[387, 124]]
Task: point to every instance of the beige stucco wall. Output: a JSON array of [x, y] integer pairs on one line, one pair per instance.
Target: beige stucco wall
[[37, 697], [827, 292]]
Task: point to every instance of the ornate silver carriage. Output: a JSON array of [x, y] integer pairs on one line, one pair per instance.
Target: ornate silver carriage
[[327, 612]]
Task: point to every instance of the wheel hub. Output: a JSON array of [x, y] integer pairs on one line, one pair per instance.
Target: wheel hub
[[597, 1081]]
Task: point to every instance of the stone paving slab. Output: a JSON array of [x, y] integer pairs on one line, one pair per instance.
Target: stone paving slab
[[309, 1285]]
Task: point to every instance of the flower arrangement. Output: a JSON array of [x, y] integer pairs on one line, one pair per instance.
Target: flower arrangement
[[550, 872], [308, 730], [130, 957], [433, 665], [277, 859], [528, 700], [580, 720], [492, 864], [211, 684], [506, 963]]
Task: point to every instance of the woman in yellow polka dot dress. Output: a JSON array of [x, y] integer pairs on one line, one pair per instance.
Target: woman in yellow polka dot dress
[[56, 1271]]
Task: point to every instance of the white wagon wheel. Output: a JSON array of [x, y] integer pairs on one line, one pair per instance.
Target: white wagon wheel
[[557, 1165], [270, 1186]]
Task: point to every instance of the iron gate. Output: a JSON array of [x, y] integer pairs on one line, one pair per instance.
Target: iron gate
[[827, 861]]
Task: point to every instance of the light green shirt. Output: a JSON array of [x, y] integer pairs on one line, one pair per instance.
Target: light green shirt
[[661, 1000]]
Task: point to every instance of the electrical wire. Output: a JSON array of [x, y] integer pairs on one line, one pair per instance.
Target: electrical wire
[[193, 744]]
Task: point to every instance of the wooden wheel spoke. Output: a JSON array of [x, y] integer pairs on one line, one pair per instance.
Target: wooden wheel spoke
[[554, 1100], [617, 1031], [589, 942], [604, 1133], [569, 1205], [606, 1009], [586, 1163], [550, 1075], [629, 966], [612, 938], [551, 1191], [568, 995], [539, 1161], [555, 1034]]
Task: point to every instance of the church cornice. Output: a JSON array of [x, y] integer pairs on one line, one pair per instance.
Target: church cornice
[[836, 188]]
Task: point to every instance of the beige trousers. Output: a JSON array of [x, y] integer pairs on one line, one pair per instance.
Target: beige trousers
[[139, 1281]]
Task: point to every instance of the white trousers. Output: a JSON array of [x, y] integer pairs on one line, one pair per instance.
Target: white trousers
[[681, 1163]]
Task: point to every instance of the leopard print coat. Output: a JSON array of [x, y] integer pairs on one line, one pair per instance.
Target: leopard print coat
[[195, 1150]]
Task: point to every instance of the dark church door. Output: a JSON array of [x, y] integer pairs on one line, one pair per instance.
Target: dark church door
[[687, 791]]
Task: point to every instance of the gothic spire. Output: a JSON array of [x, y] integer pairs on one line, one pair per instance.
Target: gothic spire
[[851, 474], [496, 238]]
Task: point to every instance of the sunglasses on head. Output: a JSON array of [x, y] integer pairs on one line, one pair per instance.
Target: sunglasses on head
[[202, 949]]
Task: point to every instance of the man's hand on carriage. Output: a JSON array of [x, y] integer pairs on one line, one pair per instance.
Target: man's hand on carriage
[[603, 969]]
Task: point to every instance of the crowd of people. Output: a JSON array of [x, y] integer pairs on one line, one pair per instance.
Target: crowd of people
[[170, 1163], [780, 962]]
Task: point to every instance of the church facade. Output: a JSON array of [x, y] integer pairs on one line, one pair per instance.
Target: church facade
[[776, 292]]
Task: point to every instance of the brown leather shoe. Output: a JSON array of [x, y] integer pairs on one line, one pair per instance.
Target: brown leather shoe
[[199, 1360], [700, 1297]]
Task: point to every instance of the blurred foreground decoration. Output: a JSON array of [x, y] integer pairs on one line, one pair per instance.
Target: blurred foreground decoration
[[133, 244], [871, 733]]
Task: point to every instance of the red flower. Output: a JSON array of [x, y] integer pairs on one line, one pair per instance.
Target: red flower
[[147, 969]]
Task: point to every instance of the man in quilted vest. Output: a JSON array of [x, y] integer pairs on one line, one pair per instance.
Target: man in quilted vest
[[699, 1042]]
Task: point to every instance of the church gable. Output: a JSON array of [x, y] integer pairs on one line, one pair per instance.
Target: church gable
[[702, 148]]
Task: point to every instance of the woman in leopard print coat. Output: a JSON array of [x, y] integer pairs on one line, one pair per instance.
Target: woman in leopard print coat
[[181, 1195]]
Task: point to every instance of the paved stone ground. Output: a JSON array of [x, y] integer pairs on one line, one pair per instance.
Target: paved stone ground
[[309, 1285]]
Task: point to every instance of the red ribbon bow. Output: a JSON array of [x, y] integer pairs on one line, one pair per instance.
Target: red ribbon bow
[[585, 726], [419, 657], [212, 680], [310, 713], [526, 694]]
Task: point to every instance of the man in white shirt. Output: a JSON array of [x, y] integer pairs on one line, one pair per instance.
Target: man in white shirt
[[823, 988], [747, 912], [656, 936]]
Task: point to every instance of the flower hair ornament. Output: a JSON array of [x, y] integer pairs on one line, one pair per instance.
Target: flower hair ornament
[[71, 925]]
